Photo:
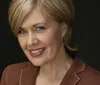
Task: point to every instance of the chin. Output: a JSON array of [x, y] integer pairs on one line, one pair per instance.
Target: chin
[[38, 62]]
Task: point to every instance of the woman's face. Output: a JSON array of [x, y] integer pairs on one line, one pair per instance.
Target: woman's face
[[40, 37]]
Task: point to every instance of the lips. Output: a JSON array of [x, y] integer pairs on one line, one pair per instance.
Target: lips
[[37, 52]]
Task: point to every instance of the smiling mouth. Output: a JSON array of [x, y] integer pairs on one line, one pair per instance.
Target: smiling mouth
[[37, 52]]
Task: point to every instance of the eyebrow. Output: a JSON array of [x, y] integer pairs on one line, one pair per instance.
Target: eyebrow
[[38, 24], [33, 25]]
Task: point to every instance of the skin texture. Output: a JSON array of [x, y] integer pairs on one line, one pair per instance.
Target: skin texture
[[32, 36]]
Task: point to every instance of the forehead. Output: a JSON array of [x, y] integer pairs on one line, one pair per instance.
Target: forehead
[[34, 17]]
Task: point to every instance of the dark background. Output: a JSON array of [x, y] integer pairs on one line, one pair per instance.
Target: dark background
[[86, 33]]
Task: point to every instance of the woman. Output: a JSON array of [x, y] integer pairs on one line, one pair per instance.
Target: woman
[[43, 29]]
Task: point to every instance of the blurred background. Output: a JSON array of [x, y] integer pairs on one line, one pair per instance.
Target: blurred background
[[86, 33]]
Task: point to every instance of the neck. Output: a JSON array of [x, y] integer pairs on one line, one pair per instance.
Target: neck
[[57, 69]]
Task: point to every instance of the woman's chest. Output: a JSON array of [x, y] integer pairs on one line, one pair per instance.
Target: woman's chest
[[43, 81]]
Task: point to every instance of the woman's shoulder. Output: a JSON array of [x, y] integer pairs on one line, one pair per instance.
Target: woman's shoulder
[[88, 70], [89, 75], [83, 74], [12, 72], [18, 65], [91, 70]]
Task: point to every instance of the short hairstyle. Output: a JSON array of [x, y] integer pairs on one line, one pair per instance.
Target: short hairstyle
[[59, 10]]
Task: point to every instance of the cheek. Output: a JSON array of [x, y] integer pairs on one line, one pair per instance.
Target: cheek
[[50, 37], [22, 42]]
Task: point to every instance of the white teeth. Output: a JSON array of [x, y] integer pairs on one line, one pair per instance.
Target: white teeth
[[36, 51]]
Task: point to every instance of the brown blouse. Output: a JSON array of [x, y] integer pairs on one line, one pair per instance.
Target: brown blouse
[[25, 74]]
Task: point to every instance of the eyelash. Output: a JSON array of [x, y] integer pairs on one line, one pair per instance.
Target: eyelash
[[39, 29], [21, 31]]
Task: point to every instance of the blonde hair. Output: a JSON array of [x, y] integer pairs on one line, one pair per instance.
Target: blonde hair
[[59, 10]]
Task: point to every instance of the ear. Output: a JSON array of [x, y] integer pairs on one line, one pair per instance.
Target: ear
[[64, 29]]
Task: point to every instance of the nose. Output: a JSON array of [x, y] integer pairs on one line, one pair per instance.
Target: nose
[[32, 40]]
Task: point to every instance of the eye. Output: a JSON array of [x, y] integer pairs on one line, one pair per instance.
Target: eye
[[20, 31], [40, 28]]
